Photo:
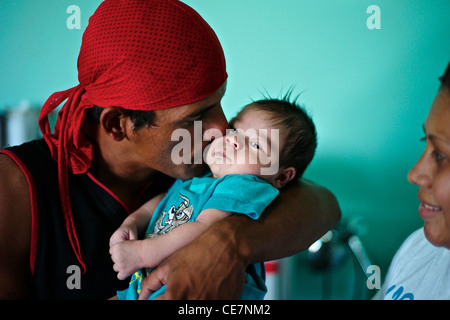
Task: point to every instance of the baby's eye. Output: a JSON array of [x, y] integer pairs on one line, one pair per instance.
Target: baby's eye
[[254, 144]]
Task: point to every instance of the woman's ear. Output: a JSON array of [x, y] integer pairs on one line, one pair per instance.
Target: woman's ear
[[113, 122], [283, 176]]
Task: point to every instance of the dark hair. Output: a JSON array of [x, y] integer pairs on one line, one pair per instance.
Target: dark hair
[[445, 79], [139, 118], [296, 127]]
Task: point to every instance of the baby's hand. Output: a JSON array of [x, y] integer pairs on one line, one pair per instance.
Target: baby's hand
[[126, 257], [125, 232]]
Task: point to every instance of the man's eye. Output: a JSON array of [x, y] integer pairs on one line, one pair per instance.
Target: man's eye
[[199, 117]]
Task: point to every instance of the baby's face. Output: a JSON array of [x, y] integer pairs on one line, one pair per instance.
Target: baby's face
[[251, 147]]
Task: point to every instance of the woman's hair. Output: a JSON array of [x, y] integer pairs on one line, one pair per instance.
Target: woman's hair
[[445, 79], [296, 128]]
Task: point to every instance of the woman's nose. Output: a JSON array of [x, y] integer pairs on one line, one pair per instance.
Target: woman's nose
[[420, 174]]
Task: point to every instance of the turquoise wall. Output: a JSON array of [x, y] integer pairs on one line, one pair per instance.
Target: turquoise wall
[[368, 90]]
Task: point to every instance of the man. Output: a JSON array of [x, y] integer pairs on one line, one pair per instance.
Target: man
[[145, 69]]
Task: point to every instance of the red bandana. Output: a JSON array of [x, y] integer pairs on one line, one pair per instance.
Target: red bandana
[[138, 55]]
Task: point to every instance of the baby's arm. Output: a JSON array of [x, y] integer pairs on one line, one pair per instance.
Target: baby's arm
[[130, 256], [155, 250], [135, 224]]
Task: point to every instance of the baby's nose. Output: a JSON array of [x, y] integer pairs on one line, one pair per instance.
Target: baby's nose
[[233, 140]]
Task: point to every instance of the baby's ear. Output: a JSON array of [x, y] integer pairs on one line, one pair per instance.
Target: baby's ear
[[283, 176]]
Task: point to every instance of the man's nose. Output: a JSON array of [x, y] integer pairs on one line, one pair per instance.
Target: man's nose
[[216, 125]]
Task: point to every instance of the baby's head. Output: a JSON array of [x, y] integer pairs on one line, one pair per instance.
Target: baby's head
[[272, 138]]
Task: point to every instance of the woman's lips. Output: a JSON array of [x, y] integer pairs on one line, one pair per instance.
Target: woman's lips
[[428, 211]]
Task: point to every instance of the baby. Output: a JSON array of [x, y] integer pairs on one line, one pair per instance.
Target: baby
[[271, 143]]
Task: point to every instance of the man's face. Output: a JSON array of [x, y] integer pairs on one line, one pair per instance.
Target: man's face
[[154, 145]]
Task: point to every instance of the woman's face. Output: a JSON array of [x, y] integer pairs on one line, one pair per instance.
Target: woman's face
[[432, 172]]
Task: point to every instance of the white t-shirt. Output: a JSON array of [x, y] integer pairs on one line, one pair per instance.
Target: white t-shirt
[[419, 271]]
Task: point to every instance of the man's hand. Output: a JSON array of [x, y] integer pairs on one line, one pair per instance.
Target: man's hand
[[208, 268]]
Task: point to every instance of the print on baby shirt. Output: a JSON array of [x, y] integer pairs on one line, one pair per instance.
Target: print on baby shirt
[[173, 218]]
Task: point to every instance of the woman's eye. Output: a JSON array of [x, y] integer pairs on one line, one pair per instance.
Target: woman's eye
[[438, 156]]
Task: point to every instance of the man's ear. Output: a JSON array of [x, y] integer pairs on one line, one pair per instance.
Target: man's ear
[[283, 176], [113, 122]]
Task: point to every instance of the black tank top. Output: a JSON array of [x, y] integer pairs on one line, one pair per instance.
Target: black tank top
[[55, 270]]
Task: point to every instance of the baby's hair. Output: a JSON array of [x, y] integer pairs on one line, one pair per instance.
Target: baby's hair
[[296, 128]]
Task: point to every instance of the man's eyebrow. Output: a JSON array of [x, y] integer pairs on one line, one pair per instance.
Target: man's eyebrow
[[199, 112]]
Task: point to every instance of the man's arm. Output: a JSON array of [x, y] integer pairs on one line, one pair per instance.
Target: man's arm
[[301, 214], [213, 265], [15, 231]]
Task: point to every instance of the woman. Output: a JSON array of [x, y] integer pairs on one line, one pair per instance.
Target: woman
[[421, 267]]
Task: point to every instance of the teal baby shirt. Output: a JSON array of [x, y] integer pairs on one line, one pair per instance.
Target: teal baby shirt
[[185, 200]]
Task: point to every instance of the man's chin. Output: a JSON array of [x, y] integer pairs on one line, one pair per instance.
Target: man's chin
[[190, 171]]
